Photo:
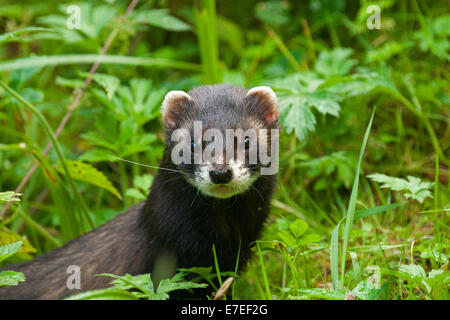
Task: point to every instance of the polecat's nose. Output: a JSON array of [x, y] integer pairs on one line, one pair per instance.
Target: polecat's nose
[[220, 176]]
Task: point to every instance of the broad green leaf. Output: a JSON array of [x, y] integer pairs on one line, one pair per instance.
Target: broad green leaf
[[411, 272], [287, 237], [11, 278], [336, 62], [8, 250], [309, 238], [87, 173], [297, 118], [298, 227], [274, 13], [438, 277], [366, 290], [7, 237], [143, 182], [162, 19], [135, 193]]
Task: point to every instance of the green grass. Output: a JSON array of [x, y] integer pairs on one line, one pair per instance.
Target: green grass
[[346, 221]]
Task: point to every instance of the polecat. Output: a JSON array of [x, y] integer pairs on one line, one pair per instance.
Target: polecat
[[191, 206]]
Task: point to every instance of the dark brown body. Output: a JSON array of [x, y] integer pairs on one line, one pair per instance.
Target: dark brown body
[[117, 247], [176, 226]]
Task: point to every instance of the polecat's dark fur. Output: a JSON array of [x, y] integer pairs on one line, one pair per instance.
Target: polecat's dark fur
[[175, 222]]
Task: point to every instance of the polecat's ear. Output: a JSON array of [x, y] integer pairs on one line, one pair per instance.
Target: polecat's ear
[[263, 101], [172, 107]]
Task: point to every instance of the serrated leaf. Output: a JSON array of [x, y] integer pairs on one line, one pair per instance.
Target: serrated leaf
[[335, 62], [96, 155], [11, 278], [87, 173], [177, 283], [109, 83], [297, 118], [413, 187], [8, 250], [7, 237]]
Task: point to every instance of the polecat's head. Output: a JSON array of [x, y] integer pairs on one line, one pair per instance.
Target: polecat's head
[[217, 136]]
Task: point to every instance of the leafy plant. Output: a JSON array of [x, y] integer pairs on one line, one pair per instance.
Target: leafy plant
[[413, 188], [10, 278], [141, 286]]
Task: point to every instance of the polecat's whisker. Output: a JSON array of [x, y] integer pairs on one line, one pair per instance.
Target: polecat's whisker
[[198, 190], [144, 165], [254, 188]]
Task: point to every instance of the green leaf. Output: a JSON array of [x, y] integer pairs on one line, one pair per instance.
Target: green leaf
[[9, 196], [177, 282], [162, 19], [318, 293], [309, 238], [11, 278], [366, 290], [298, 227], [297, 94], [12, 36], [96, 155], [8, 237], [434, 255], [135, 193], [69, 59], [87, 173], [287, 237], [413, 187], [438, 277], [411, 272], [274, 13], [335, 62], [297, 118], [143, 283], [104, 294], [8, 250], [108, 82]]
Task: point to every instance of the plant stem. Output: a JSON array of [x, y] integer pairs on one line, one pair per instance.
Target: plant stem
[[30, 222]]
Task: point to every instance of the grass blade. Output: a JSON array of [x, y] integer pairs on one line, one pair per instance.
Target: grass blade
[[352, 203], [51, 135], [334, 257], [69, 59], [263, 270]]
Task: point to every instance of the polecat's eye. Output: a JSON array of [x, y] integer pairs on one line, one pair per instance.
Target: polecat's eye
[[247, 143], [193, 144]]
